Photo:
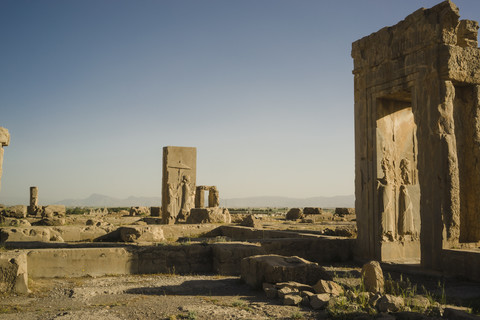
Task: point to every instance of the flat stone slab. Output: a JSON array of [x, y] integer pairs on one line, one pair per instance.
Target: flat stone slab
[[272, 268]]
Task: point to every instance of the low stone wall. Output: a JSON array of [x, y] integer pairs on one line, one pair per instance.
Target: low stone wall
[[461, 262], [51, 263], [319, 249], [181, 259], [227, 256], [247, 233], [93, 233]]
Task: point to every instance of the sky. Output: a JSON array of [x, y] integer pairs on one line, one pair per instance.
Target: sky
[[92, 90]]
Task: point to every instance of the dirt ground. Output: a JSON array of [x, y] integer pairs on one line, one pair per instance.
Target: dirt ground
[[146, 297], [170, 296]]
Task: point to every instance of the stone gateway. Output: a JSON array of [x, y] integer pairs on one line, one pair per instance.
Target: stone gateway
[[417, 137]]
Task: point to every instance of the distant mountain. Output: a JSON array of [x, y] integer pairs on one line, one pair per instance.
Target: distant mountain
[[99, 200], [279, 202]]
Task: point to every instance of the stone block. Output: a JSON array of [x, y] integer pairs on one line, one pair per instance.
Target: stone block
[[209, 215], [275, 268], [155, 211], [319, 301], [372, 276], [137, 211], [390, 303], [13, 272], [141, 234], [292, 299], [251, 221], [18, 211], [294, 214], [24, 234], [51, 263], [51, 211], [344, 211], [312, 210], [227, 256], [330, 287]]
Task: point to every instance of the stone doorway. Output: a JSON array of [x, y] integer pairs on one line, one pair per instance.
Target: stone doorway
[[398, 191]]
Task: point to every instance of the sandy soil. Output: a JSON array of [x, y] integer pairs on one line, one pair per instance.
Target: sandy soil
[[146, 297]]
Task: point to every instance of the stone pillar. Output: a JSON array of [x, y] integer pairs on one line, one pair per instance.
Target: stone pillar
[[213, 197], [200, 197], [4, 141], [33, 196], [178, 183], [33, 207]]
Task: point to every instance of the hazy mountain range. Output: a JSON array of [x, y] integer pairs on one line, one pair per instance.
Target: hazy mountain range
[[98, 200]]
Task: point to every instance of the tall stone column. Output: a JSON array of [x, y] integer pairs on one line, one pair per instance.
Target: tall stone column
[[4, 141], [33, 196], [33, 208], [200, 197], [213, 197]]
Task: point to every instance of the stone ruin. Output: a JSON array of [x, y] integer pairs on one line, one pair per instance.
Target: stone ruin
[[178, 183], [417, 139], [182, 200], [213, 213], [213, 197], [4, 141]]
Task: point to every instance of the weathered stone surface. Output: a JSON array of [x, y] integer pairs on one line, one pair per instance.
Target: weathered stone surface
[[13, 272], [285, 291], [141, 234], [51, 211], [294, 214], [209, 215], [137, 211], [344, 211], [390, 303], [330, 287], [20, 223], [250, 221], [311, 210], [292, 299], [54, 221], [319, 301], [297, 286], [178, 183], [155, 211], [372, 276], [418, 302], [24, 234], [227, 256], [18, 211], [417, 98], [274, 268]]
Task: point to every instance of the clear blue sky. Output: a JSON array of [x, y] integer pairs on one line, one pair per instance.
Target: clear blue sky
[[92, 90]]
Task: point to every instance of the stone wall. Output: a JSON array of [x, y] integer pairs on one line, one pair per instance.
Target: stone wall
[[417, 137]]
